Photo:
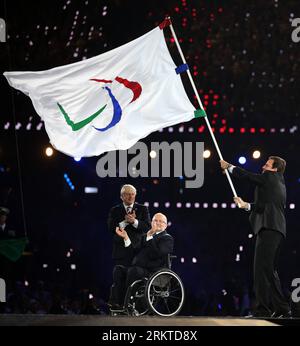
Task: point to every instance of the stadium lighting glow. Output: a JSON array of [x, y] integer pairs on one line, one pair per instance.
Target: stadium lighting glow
[[153, 154], [206, 154], [68, 180], [88, 189], [242, 160], [49, 151], [256, 154]]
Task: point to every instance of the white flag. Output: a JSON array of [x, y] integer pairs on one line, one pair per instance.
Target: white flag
[[110, 101]]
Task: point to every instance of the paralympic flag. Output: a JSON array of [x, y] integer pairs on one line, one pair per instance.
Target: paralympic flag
[[110, 101]]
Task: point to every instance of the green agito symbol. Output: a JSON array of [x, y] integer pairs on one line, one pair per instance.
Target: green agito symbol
[[117, 115]]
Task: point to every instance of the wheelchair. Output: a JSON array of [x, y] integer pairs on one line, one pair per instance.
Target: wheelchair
[[162, 293]]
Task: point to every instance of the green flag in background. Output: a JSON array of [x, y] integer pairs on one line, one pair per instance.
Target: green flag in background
[[13, 248]]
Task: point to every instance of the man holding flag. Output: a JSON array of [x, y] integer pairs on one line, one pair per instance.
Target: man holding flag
[[268, 223]]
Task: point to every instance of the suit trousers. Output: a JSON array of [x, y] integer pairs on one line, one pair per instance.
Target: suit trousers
[[267, 287], [118, 288], [136, 273], [123, 277]]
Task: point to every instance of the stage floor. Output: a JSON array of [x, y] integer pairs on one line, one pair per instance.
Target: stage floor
[[96, 320]]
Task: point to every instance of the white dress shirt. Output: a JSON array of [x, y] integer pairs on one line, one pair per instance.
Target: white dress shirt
[[124, 223]]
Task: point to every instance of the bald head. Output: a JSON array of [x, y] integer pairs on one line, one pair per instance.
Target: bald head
[[159, 221]]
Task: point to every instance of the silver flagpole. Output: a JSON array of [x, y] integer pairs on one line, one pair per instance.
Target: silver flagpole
[[200, 103]]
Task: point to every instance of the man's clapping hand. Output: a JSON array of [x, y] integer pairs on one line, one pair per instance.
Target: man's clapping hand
[[121, 233], [152, 231], [130, 218]]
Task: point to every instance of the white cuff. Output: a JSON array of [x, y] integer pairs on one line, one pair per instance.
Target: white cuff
[[230, 169], [136, 223], [127, 242], [248, 207], [149, 237]]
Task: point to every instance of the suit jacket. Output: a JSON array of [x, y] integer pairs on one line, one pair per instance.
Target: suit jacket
[[6, 233], [153, 253], [121, 254], [267, 211]]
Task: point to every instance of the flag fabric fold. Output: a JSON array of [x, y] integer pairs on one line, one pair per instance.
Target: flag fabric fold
[[110, 101]]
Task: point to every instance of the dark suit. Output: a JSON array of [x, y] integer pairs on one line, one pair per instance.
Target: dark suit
[[268, 223], [5, 234], [267, 211], [151, 257], [120, 253]]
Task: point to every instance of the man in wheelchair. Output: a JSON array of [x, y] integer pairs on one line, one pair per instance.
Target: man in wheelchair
[[152, 255]]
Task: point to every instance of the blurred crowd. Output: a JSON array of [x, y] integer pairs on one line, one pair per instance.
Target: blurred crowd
[[42, 298]]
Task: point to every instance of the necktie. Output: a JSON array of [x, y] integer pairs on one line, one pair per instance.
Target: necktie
[[128, 210]]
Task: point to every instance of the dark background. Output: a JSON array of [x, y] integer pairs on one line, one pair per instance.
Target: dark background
[[246, 69]]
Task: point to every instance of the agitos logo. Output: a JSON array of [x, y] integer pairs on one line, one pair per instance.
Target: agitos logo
[[136, 89]]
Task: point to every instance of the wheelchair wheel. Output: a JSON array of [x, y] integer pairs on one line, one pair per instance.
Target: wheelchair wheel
[[135, 301], [165, 293]]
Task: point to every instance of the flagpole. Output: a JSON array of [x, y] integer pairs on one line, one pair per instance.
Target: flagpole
[[200, 103]]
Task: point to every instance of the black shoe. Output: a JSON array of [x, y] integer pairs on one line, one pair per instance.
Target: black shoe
[[286, 314], [116, 307]]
